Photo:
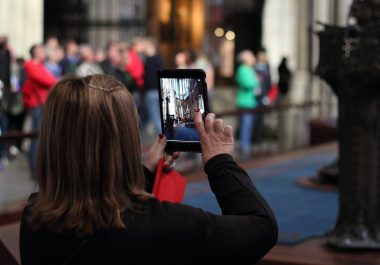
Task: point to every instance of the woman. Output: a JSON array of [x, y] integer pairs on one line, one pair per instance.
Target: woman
[[95, 206], [248, 86]]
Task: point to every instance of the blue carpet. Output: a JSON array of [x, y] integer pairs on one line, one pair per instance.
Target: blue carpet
[[301, 213]]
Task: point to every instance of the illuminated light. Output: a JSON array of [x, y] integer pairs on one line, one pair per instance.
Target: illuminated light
[[230, 35], [165, 9], [219, 32]]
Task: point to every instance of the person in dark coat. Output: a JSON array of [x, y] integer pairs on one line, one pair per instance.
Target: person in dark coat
[[70, 61], [153, 63], [95, 204], [113, 62], [5, 90], [5, 70], [263, 73], [285, 76]]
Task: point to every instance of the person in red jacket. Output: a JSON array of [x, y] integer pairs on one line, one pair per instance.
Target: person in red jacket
[[135, 65], [34, 93]]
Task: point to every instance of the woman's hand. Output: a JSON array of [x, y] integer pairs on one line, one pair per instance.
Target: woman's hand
[[215, 137], [157, 152]]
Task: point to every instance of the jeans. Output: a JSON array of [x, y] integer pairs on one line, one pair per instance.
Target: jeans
[[3, 129], [152, 109], [35, 114], [246, 128]]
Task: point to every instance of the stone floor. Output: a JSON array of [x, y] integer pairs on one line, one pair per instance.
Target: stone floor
[[16, 182]]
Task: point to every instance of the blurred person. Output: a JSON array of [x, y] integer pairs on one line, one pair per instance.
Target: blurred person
[[263, 73], [153, 63], [20, 72], [112, 65], [95, 204], [135, 65], [37, 85], [52, 42], [285, 76], [16, 109], [131, 85], [284, 81], [70, 61], [3, 128], [51, 45], [182, 59], [99, 55], [5, 68], [87, 64], [248, 84], [5, 91], [5, 73], [54, 56], [262, 69]]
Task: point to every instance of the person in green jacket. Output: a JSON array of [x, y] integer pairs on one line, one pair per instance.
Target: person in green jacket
[[248, 86]]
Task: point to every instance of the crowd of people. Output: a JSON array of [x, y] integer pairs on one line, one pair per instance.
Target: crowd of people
[[254, 89], [25, 84]]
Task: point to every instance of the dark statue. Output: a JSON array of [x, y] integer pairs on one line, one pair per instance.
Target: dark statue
[[350, 63]]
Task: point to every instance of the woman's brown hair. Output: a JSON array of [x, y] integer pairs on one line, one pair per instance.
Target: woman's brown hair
[[89, 160]]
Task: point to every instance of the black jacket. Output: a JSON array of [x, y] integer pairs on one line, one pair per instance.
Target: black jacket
[[152, 65], [171, 233], [5, 78], [109, 69]]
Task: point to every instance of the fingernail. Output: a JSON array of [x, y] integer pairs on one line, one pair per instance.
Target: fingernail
[[196, 110], [161, 136]]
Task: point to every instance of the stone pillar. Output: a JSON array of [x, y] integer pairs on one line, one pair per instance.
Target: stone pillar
[[280, 19], [22, 22], [286, 28], [285, 33], [343, 10]]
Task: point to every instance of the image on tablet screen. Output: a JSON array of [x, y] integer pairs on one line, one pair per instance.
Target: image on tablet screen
[[180, 98]]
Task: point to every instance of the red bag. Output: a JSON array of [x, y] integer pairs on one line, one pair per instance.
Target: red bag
[[168, 186]]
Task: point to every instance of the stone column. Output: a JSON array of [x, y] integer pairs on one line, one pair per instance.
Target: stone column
[[22, 22]]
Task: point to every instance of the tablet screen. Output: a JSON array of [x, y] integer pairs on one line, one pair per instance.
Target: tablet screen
[[181, 97]]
